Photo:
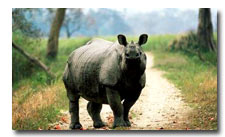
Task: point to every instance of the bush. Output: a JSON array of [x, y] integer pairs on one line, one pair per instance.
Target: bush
[[187, 41], [21, 67], [27, 36]]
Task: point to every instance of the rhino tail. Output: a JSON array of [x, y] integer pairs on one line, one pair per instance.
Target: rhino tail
[[91, 41]]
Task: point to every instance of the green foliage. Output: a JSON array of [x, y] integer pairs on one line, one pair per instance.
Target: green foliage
[[185, 42], [21, 67], [21, 23]]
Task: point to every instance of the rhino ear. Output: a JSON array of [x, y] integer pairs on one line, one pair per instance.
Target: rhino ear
[[122, 40], [143, 39]]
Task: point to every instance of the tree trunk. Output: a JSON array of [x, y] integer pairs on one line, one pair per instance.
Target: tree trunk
[[67, 31], [52, 47], [34, 60], [205, 30]]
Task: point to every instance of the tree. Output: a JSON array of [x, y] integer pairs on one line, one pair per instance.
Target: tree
[[205, 30], [52, 47], [20, 23], [72, 21]]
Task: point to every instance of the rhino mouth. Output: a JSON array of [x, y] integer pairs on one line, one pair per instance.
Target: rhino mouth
[[133, 58], [133, 62]]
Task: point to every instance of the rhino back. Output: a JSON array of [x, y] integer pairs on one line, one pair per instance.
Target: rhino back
[[85, 65]]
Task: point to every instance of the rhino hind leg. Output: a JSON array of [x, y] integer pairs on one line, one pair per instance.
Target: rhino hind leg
[[94, 110], [74, 113], [73, 107]]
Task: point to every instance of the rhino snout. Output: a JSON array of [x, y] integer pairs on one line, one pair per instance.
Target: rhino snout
[[133, 55]]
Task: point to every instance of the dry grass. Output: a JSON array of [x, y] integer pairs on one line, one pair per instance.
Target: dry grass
[[33, 102], [204, 84], [172, 60], [205, 101]]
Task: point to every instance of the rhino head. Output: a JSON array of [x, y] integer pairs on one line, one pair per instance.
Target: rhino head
[[133, 57]]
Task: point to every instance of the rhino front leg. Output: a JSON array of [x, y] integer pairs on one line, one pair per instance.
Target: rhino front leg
[[94, 110], [127, 104], [114, 101]]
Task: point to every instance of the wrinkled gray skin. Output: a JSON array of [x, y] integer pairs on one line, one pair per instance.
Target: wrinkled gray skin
[[103, 72]]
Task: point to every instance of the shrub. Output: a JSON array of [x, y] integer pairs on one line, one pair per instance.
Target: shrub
[[185, 42], [188, 43]]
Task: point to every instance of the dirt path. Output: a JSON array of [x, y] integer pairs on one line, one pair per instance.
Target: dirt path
[[160, 106]]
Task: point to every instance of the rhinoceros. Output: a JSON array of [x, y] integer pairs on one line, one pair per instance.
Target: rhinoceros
[[105, 72]]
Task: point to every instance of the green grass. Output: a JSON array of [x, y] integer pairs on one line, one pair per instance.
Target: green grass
[[154, 41]]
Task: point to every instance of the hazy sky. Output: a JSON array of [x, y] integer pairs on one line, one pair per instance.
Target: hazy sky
[[145, 10]]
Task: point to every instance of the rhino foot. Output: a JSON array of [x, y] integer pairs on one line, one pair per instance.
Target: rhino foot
[[75, 126], [119, 123], [127, 123], [99, 124]]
